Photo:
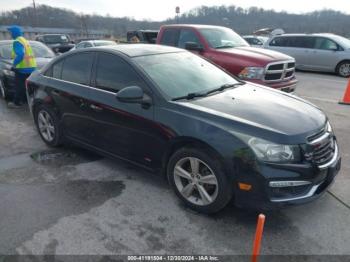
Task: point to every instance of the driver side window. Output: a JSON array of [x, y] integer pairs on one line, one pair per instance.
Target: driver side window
[[325, 44], [187, 35]]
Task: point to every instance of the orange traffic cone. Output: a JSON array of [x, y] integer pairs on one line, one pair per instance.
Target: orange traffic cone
[[346, 99]]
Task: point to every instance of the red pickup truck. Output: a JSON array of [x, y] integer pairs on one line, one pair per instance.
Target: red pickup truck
[[227, 49]]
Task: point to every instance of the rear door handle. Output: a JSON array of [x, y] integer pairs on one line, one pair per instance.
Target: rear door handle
[[96, 108]]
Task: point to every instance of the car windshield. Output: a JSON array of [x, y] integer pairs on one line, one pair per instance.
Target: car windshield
[[51, 39], [179, 74], [344, 42], [222, 38], [39, 50], [104, 43]]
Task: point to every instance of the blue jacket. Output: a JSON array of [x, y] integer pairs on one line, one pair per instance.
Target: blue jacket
[[18, 49]]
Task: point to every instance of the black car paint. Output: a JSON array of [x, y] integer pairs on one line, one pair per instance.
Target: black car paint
[[95, 119]]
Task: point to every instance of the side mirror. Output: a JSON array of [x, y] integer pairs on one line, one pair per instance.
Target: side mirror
[[192, 46], [134, 94]]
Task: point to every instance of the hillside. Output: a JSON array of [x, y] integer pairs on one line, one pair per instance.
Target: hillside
[[244, 21]]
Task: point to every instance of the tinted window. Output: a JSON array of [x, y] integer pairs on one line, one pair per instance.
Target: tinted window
[[325, 44], [279, 41], [80, 45], [169, 37], [301, 42], [77, 68], [222, 37], [113, 73], [187, 35], [57, 70]]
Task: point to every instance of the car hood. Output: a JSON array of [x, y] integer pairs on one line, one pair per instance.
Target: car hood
[[255, 53], [282, 117], [40, 61]]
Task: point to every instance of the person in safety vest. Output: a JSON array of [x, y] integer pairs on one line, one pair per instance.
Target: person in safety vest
[[23, 65]]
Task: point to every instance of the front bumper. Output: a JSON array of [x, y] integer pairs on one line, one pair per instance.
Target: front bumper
[[287, 86], [264, 197]]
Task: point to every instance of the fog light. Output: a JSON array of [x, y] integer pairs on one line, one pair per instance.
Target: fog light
[[244, 187], [288, 183]]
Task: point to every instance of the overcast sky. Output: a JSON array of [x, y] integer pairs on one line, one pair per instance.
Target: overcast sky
[[162, 9]]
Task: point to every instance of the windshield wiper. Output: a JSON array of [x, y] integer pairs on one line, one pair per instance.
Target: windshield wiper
[[223, 87], [224, 46], [189, 96]]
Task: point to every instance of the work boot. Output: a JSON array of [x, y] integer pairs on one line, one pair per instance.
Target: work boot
[[13, 105]]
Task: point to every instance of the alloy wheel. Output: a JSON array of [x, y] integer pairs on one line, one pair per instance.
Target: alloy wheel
[[2, 90], [195, 181], [344, 70], [46, 126]]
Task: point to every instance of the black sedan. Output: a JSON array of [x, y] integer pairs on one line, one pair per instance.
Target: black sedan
[[42, 53], [215, 137]]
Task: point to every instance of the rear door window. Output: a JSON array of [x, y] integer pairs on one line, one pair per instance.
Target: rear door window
[[279, 41], [113, 73], [301, 42], [77, 68], [170, 37]]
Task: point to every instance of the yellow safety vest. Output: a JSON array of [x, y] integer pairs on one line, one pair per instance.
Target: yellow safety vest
[[28, 60]]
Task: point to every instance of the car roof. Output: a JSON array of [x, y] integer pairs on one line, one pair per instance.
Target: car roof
[[194, 26], [316, 34], [134, 50]]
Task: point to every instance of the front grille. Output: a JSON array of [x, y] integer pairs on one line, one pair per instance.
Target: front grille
[[276, 67], [280, 71], [323, 147], [273, 76]]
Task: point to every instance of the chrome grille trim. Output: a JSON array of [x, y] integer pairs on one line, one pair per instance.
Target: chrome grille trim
[[286, 68]]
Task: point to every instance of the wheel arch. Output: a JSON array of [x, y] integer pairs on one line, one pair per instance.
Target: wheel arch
[[340, 62], [181, 142]]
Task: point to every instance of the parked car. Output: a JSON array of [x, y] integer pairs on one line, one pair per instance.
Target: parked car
[[254, 40], [230, 51], [214, 136], [315, 52], [59, 43], [42, 53], [93, 43], [144, 36]]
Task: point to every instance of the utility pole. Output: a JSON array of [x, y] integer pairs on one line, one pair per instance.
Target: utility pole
[[177, 11], [35, 16]]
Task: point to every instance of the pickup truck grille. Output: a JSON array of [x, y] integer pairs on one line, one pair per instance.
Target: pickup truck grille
[[323, 147], [279, 71]]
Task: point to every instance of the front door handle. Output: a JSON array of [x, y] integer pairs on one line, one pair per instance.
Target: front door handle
[[96, 108]]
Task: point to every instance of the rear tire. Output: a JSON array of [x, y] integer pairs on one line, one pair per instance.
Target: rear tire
[[48, 126], [343, 69], [198, 180]]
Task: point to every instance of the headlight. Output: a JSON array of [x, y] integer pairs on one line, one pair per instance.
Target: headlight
[[8, 72], [271, 152], [252, 73], [329, 128]]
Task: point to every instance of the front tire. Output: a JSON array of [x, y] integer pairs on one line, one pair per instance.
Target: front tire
[[198, 180], [343, 69], [48, 126]]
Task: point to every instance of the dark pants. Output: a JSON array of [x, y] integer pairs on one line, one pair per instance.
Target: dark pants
[[20, 96]]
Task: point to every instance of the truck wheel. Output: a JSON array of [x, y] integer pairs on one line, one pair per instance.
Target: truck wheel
[[198, 180], [48, 126], [343, 69]]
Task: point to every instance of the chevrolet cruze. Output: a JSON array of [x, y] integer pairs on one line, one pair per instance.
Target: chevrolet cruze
[[215, 137]]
